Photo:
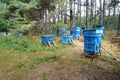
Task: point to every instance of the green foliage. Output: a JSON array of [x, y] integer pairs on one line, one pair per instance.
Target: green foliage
[[14, 43], [20, 24], [60, 8], [22, 44], [59, 25], [23, 6], [16, 13], [19, 44], [3, 24], [3, 9]]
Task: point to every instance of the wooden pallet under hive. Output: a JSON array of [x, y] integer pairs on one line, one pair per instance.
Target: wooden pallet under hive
[[116, 39]]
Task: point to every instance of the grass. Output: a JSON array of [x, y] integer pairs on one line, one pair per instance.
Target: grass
[[44, 76], [19, 57], [109, 34], [23, 44]]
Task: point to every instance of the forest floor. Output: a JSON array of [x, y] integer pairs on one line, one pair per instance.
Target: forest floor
[[60, 63]]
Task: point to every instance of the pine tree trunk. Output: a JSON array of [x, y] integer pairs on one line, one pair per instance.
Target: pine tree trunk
[[118, 32], [91, 21], [80, 14], [71, 15], [104, 12], [95, 11], [114, 18], [46, 16], [87, 14], [100, 17], [108, 20], [65, 15], [79, 11]]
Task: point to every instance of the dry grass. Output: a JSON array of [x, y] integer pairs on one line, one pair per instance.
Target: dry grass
[[64, 64]]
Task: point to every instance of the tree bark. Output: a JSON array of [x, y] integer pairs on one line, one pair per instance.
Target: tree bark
[[108, 19], [91, 21], [87, 14], [95, 11], [71, 15], [118, 32], [65, 15], [100, 17], [114, 17], [79, 11], [104, 12], [80, 14]]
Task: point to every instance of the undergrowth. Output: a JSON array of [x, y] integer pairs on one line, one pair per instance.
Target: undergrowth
[[23, 44]]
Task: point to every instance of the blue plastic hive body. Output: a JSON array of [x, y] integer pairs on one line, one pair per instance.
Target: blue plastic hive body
[[9, 33], [19, 35], [46, 38], [76, 32], [61, 32], [100, 28], [67, 39], [92, 41], [2, 33]]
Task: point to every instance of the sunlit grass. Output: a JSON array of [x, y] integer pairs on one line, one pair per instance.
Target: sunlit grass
[[18, 63]]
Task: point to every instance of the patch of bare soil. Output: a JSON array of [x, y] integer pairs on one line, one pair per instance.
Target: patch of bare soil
[[73, 68], [55, 71]]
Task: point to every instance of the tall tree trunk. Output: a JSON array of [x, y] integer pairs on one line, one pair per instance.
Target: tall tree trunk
[[95, 11], [79, 11], [108, 20], [74, 8], [91, 21], [104, 12], [87, 14], [80, 15], [61, 13], [71, 15], [65, 18], [46, 16], [100, 17], [65, 15], [118, 30], [114, 17], [54, 18]]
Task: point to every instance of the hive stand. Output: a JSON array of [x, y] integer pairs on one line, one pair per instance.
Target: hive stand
[[49, 44], [71, 42], [90, 56]]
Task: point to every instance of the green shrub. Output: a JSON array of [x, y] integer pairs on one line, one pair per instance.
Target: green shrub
[[23, 44]]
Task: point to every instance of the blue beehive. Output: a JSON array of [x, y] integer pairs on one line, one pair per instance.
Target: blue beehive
[[84, 28], [92, 41], [99, 38], [9, 33], [100, 28], [61, 32], [19, 34], [26, 33], [46, 38], [3, 33], [67, 39], [76, 32]]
